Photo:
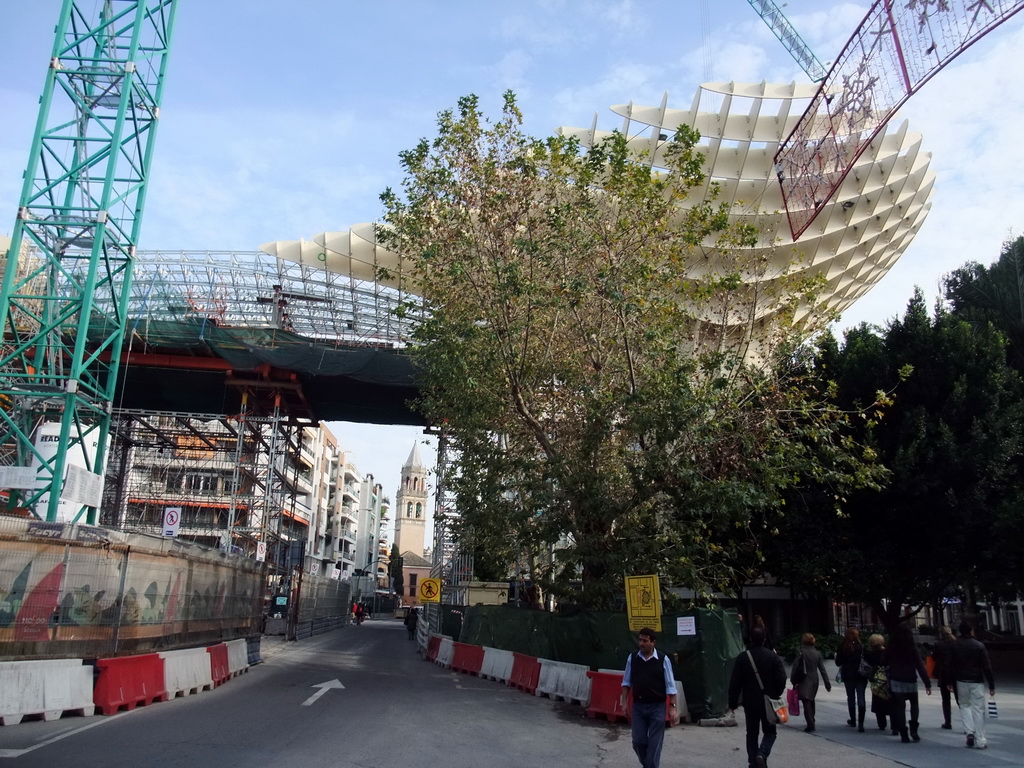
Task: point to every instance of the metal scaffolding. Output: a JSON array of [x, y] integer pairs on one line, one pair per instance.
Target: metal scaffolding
[[227, 476], [451, 564], [256, 290]]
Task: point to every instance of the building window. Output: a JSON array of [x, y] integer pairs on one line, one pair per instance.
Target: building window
[[419, 510], [175, 480], [408, 509], [201, 483]]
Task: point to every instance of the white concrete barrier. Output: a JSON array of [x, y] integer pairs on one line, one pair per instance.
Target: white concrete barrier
[[681, 709], [46, 688], [560, 680], [497, 664], [238, 656], [187, 671], [444, 653]]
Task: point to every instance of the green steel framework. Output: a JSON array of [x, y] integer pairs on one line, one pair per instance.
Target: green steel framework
[[79, 217]]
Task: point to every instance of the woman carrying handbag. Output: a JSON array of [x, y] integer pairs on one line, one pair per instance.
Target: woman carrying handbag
[[804, 676]]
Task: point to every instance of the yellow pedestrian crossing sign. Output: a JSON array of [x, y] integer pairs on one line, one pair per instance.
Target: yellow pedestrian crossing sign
[[643, 602], [430, 591]]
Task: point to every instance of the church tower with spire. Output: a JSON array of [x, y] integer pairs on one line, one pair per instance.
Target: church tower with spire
[[411, 506]]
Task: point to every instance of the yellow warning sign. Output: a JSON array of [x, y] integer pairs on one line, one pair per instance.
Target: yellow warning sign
[[643, 602], [430, 591]]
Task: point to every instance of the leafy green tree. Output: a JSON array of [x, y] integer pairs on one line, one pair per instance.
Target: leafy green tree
[[951, 440], [993, 294], [588, 343]]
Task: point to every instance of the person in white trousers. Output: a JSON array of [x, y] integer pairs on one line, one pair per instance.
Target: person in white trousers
[[971, 671]]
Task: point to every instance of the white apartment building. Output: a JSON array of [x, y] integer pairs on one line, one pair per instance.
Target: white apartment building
[[372, 507]]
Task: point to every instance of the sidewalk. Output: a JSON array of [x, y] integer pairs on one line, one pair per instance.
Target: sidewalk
[[835, 744]]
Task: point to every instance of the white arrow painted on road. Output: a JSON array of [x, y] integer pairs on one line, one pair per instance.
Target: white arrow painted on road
[[324, 688]]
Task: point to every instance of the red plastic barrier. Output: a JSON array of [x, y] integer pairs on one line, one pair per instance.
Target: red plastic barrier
[[467, 658], [605, 693], [525, 673], [433, 646], [628, 714], [129, 681], [600, 690], [219, 668]]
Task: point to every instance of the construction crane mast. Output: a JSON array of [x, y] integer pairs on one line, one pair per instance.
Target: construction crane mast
[[772, 15], [69, 268]]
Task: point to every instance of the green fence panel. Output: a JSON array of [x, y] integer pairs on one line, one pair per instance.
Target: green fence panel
[[602, 640]]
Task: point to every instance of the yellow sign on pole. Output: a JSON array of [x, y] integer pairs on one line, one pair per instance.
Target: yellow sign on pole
[[643, 602], [430, 591]]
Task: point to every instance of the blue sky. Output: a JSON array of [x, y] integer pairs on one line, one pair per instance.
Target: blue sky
[[282, 120]]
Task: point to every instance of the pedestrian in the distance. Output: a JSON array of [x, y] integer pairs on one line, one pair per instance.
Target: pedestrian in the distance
[[943, 655], [848, 658], [743, 684], [411, 619], [744, 630], [650, 676], [759, 624], [971, 670], [804, 676], [905, 666]]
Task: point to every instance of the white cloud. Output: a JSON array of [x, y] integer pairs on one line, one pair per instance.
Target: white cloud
[[511, 72]]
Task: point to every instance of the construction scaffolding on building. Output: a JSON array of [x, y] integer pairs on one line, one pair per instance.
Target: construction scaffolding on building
[[451, 563], [228, 477]]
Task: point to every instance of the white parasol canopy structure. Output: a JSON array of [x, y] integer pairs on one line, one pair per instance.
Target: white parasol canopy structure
[[857, 237]]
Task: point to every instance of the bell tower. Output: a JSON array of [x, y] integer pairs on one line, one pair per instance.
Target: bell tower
[[411, 506]]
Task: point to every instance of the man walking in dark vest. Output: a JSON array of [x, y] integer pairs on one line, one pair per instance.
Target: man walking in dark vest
[[650, 676]]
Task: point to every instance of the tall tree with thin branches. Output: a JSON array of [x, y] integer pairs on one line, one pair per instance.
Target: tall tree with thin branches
[[614, 363]]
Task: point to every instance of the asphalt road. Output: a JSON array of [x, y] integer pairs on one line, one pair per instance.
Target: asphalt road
[[396, 710]]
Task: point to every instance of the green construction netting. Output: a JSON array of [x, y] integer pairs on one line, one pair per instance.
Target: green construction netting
[[602, 640], [248, 348], [338, 383]]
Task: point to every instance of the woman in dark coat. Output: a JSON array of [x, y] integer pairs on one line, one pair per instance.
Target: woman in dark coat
[[412, 618], [876, 656], [848, 657], [808, 659], [905, 666]]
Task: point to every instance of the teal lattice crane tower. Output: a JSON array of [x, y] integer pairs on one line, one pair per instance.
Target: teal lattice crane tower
[[777, 22], [69, 269]]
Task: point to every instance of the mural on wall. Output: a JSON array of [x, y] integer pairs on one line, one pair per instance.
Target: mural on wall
[[59, 589]]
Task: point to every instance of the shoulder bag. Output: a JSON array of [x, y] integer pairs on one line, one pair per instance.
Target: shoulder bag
[[774, 709], [865, 668], [880, 683]]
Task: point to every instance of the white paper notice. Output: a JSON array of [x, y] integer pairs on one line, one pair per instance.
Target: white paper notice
[[686, 625]]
